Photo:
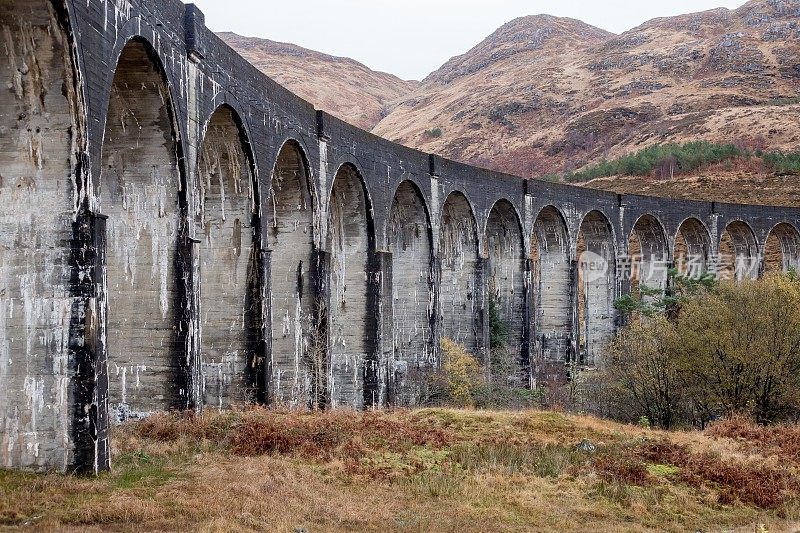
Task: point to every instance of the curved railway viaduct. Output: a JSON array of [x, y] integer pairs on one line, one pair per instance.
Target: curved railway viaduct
[[178, 231]]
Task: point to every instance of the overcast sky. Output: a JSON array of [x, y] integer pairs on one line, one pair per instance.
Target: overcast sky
[[412, 38]]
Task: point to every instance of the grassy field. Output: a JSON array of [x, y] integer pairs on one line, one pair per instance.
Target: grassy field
[[425, 470]]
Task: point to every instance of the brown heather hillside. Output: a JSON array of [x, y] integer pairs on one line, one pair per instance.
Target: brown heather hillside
[[549, 95], [720, 184], [341, 86], [544, 94]]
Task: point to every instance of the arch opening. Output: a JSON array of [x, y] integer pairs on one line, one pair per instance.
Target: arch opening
[[296, 358], [738, 253], [412, 293], [41, 135], [139, 192], [229, 294], [692, 248], [506, 291], [353, 306], [460, 281], [550, 249], [596, 287], [648, 253], [782, 249]]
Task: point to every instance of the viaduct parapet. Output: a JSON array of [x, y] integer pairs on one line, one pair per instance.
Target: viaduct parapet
[[179, 232]]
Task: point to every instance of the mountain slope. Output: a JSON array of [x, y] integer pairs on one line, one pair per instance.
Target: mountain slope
[[545, 94], [341, 86]]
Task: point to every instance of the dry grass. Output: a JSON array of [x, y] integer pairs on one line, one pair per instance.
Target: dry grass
[[431, 470]]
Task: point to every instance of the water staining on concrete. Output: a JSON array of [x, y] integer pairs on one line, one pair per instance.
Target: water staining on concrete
[[692, 251], [351, 307], [782, 249], [290, 239], [412, 296], [40, 133], [506, 284], [226, 233], [139, 193], [552, 282], [461, 282], [596, 286]]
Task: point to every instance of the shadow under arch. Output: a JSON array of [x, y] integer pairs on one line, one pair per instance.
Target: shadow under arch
[[296, 346], [149, 272], [692, 250], [739, 256], [506, 288], [597, 287], [228, 234], [353, 373], [414, 352], [648, 253], [552, 289], [460, 275], [782, 249]]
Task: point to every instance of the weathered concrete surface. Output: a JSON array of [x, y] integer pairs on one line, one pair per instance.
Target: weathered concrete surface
[[692, 249], [40, 134], [782, 249], [229, 301], [552, 287], [461, 279], [247, 247], [290, 236], [351, 309], [507, 279], [412, 295], [596, 283], [649, 253], [139, 193], [738, 253]]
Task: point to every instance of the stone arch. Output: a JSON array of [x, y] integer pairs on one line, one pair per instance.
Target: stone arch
[[782, 249], [142, 191], [596, 286], [648, 252], [692, 249], [41, 138], [461, 280], [410, 243], [506, 286], [738, 252], [552, 289], [228, 233], [296, 359], [352, 308]]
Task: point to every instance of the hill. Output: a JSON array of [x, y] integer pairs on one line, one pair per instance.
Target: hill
[[341, 86], [544, 94]]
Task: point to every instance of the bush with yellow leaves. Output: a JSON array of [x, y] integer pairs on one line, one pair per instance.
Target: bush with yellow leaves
[[460, 376]]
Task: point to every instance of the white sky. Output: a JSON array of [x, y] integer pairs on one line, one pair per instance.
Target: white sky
[[412, 38]]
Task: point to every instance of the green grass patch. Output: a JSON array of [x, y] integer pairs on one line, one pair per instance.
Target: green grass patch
[[784, 101], [139, 470], [434, 133], [782, 163], [545, 461], [663, 471], [11, 481]]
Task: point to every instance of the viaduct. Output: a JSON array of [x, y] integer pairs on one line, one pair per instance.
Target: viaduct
[[178, 231]]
